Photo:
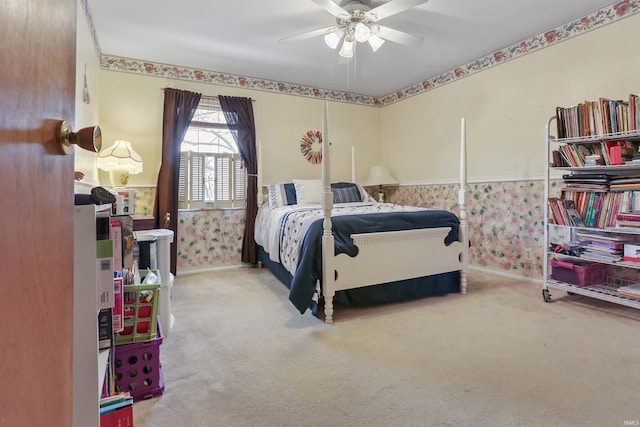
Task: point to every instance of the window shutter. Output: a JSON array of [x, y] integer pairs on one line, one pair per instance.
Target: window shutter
[[197, 180], [182, 182], [240, 179], [223, 180]]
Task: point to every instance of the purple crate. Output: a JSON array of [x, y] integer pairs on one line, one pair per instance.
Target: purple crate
[[137, 368]]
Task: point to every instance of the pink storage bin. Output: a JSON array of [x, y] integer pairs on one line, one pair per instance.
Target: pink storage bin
[[579, 273]]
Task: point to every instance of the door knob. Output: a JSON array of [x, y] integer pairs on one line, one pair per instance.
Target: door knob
[[89, 138]]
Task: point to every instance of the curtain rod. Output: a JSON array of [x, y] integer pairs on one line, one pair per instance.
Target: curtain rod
[[203, 96]]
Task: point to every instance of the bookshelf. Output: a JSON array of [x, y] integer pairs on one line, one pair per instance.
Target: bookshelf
[[89, 362], [592, 218]]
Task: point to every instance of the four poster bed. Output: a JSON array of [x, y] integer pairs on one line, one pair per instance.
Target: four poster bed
[[343, 244]]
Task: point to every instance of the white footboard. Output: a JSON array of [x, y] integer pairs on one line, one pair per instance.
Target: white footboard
[[391, 256]]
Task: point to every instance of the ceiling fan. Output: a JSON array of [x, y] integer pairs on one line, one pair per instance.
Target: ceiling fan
[[357, 22]]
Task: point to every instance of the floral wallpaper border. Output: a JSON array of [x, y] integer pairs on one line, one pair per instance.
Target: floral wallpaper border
[[579, 26]]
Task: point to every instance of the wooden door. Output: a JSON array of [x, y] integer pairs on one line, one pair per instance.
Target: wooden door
[[37, 88]]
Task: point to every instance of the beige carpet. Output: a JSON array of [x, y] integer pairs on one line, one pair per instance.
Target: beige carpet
[[241, 355]]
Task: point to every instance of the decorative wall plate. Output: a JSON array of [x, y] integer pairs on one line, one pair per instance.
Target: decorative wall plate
[[306, 146]]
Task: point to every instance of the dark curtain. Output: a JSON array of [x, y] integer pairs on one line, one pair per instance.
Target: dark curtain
[[239, 115], [179, 108]]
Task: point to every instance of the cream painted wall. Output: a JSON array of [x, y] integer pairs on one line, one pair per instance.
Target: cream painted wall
[[86, 114], [506, 108], [131, 108]]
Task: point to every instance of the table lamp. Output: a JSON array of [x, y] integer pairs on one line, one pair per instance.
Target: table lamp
[[120, 157], [379, 175]]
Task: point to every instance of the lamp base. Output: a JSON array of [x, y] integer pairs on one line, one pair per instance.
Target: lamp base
[[381, 197]]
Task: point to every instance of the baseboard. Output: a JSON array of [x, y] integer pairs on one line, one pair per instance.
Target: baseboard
[[506, 275], [211, 269], [471, 267]]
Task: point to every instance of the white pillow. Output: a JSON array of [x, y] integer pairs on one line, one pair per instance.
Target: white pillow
[[308, 191]]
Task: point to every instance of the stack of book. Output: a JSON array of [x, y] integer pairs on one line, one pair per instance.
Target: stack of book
[[602, 251], [116, 410], [586, 182], [629, 183], [628, 219], [602, 247], [630, 291]]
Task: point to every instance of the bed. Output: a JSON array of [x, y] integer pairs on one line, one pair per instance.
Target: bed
[[331, 241]]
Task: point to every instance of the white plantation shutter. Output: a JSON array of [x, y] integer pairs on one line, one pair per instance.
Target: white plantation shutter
[[240, 179], [216, 180], [223, 178], [182, 181], [197, 176]]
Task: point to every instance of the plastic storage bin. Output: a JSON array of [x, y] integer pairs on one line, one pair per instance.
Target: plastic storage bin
[[139, 313], [164, 238], [579, 273], [137, 368]]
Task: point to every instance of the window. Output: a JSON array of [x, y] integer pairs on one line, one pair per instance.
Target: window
[[212, 174]]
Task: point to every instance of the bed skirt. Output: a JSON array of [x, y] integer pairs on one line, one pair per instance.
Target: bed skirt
[[404, 290]]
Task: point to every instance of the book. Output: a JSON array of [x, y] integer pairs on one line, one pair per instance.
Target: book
[[118, 304], [630, 291], [128, 240], [105, 329], [114, 398], [120, 418], [116, 236], [574, 216]]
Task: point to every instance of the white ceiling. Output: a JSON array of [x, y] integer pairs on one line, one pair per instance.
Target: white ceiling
[[241, 37]]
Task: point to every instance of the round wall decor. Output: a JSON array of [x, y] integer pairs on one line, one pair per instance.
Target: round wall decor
[[306, 146]]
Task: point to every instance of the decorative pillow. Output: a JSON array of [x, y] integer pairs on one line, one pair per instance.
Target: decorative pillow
[[281, 195], [345, 192], [308, 191]]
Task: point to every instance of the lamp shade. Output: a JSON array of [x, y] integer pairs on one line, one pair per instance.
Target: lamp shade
[[333, 38], [120, 156], [379, 175], [347, 48]]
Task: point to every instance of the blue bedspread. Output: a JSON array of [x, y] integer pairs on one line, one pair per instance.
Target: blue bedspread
[[303, 283]]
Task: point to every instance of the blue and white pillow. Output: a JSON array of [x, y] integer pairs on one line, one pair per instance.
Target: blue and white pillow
[[346, 192], [281, 195]]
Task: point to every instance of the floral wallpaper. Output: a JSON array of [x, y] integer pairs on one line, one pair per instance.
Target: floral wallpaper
[[209, 238], [579, 26], [145, 199], [505, 218]]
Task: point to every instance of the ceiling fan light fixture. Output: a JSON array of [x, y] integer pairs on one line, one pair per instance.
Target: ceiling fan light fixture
[[333, 38], [375, 42], [346, 51], [362, 32]]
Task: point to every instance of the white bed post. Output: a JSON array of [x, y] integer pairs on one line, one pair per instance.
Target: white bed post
[[462, 196], [328, 251], [353, 164], [260, 195]]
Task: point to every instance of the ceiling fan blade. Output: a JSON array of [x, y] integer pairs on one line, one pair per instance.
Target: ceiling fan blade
[[308, 35], [393, 7], [331, 7], [398, 36]]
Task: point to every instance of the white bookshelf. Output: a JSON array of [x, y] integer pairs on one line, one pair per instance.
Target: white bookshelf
[[89, 364]]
